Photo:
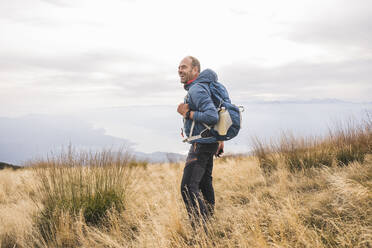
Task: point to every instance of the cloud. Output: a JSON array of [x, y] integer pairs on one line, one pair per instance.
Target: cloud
[[70, 63], [344, 25], [58, 3], [302, 80], [109, 74], [124, 53], [106, 69], [18, 11]]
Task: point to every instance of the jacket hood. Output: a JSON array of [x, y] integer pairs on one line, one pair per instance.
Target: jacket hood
[[206, 76]]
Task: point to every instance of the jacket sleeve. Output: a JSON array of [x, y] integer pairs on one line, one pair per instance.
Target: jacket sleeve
[[205, 112]]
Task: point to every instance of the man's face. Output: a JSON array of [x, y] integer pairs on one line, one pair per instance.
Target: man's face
[[186, 71]]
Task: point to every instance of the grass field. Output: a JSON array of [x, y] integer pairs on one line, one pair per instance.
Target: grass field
[[107, 200]]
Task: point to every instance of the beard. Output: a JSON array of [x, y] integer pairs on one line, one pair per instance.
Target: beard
[[184, 78]]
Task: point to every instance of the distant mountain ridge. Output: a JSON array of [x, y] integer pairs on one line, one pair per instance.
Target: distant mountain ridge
[[160, 157], [9, 166], [156, 128], [308, 101]]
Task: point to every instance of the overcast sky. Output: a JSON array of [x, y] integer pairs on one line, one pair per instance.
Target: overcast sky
[[95, 60], [71, 55]]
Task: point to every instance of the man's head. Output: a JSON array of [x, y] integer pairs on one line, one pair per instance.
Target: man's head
[[188, 69]]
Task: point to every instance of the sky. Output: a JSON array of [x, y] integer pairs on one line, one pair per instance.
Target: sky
[[73, 57]]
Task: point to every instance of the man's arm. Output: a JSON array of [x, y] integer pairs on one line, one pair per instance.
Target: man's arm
[[206, 111]]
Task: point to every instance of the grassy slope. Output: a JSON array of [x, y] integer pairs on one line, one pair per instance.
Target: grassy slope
[[324, 207]]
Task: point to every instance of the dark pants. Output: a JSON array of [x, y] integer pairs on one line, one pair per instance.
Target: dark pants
[[197, 176]]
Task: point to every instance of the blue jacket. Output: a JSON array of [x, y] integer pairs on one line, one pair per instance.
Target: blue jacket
[[200, 102]]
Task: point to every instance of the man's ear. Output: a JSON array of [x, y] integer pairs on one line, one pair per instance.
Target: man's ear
[[195, 70]]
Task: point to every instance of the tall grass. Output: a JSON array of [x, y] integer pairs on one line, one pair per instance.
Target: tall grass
[[266, 155], [332, 208], [303, 153], [351, 141], [346, 143], [86, 184]]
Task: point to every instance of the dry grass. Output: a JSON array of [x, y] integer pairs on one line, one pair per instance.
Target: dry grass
[[324, 207], [295, 194], [347, 142], [79, 186], [17, 188]]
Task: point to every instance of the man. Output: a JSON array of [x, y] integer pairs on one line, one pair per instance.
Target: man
[[199, 112]]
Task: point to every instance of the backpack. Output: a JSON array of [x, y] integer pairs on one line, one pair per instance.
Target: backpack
[[230, 118]]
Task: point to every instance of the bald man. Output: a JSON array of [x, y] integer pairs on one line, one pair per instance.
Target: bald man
[[198, 111]]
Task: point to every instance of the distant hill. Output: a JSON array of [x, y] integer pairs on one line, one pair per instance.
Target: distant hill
[[9, 166], [309, 101], [160, 157]]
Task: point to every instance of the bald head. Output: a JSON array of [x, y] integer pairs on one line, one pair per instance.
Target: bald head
[[194, 62]]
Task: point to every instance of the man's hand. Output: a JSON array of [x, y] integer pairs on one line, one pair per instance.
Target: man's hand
[[182, 109], [220, 149]]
